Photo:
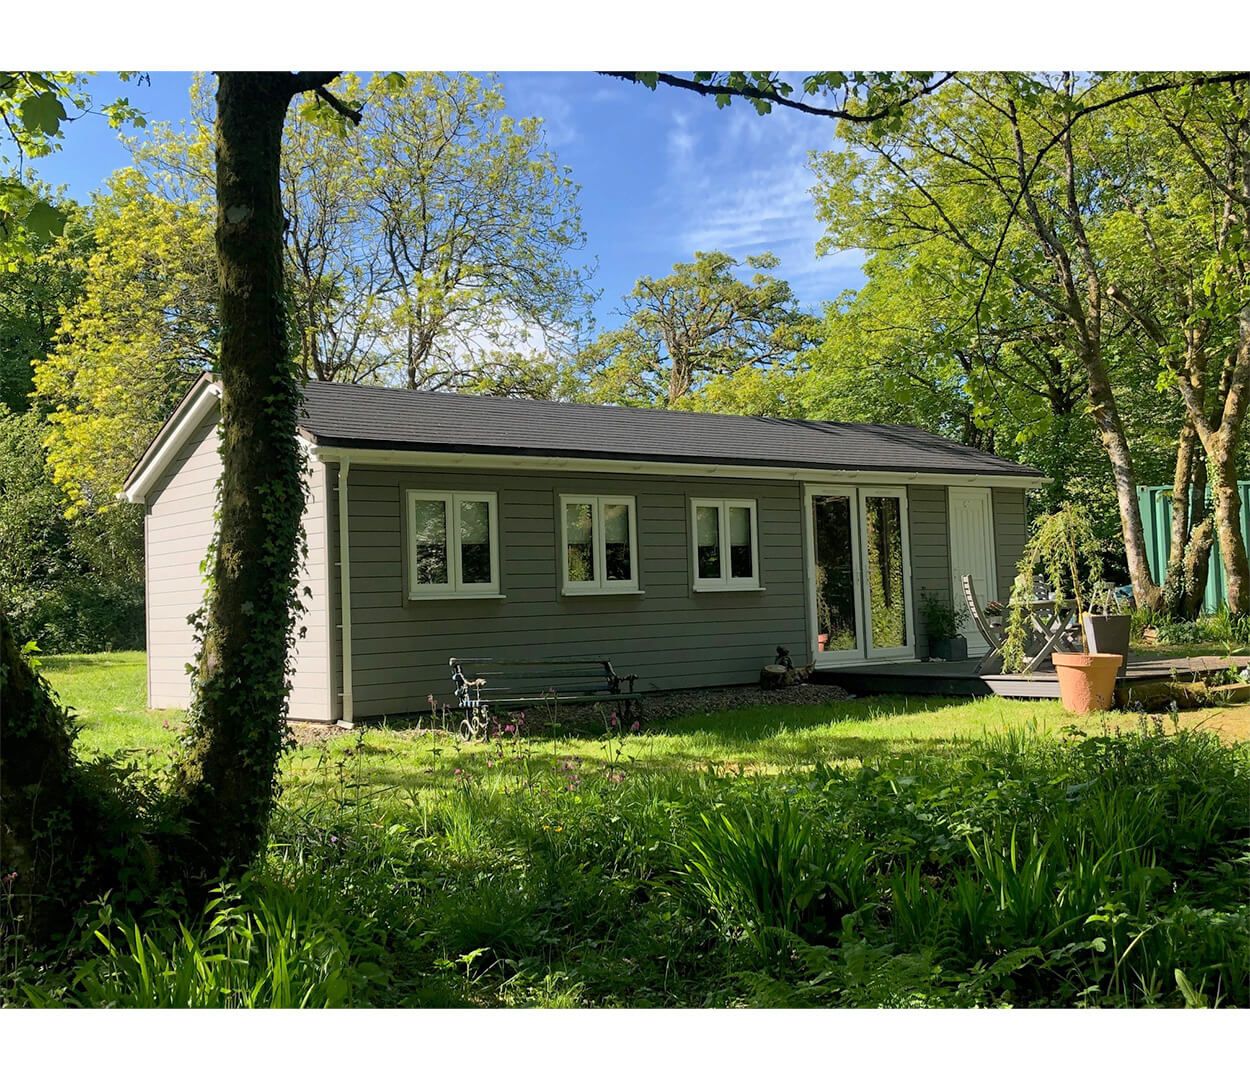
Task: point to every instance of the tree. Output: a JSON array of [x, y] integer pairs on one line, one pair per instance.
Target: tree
[[992, 149], [72, 585], [146, 322], [476, 221], [34, 105], [696, 330], [45, 278], [228, 775], [431, 249], [876, 98], [227, 778], [1187, 287]]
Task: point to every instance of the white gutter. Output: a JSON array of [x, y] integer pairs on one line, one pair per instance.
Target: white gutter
[[442, 459], [345, 590]]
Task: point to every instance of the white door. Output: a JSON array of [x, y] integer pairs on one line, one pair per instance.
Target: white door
[[972, 553]]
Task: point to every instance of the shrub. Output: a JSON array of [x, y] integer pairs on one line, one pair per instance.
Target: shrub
[[72, 585]]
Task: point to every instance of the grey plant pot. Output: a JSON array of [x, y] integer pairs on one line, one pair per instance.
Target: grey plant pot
[[1109, 634], [950, 648]]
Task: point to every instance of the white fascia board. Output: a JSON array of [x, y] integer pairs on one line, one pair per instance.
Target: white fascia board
[[171, 440], [511, 462]]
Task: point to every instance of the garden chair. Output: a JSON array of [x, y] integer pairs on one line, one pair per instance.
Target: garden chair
[[991, 662]]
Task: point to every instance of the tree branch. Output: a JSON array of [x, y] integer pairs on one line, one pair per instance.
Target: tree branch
[[339, 106], [755, 93]]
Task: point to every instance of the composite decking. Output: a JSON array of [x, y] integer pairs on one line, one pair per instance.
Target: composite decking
[[960, 678]]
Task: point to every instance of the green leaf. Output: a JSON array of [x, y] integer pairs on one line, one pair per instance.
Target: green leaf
[[45, 221], [42, 113]]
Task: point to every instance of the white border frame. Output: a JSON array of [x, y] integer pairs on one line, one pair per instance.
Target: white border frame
[[724, 583], [907, 651], [601, 585], [839, 657], [455, 588]]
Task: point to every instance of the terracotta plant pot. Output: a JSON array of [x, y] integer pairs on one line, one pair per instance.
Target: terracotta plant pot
[[1086, 680]]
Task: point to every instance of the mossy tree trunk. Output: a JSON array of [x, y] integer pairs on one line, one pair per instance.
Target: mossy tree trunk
[[238, 717]]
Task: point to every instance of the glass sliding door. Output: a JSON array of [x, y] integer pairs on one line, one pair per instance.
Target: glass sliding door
[[887, 585], [836, 578]]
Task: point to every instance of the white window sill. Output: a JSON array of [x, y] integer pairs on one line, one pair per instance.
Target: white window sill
[[457, 596], [705, 587], [602, 592]]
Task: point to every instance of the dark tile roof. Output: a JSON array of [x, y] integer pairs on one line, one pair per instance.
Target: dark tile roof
[[384, 418]]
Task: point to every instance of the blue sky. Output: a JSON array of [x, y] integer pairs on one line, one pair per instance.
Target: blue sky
[[662, 173]]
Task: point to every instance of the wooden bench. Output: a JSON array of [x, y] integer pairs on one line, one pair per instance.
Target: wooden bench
[[485, 684]]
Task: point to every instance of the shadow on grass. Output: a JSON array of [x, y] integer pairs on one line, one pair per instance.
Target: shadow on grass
[[80, 663], [748, 741]]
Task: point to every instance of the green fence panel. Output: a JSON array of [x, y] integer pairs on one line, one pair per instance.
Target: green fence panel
[[1155, 504]]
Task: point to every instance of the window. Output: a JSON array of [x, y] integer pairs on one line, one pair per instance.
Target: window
[[600, 540], [453, 544], [725, 544]]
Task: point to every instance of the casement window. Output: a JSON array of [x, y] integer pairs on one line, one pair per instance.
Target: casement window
[[453, 544], [725, 538], [599, 543]]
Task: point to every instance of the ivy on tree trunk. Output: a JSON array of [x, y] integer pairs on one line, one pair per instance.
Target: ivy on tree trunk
[[229, 774]]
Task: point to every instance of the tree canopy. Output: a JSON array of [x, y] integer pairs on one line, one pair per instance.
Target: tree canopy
[[701, 334]]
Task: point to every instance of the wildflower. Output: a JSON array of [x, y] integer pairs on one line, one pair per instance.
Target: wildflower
[[333, 839], [520, 717], [612, 720], [635, 726], [457, 772], [509, 729]]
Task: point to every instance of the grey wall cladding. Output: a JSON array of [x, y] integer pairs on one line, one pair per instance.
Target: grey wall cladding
[[670, 636]]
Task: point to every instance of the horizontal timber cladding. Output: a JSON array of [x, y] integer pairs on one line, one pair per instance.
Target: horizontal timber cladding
[[1011, 531], [177, 533], [670, 636], [930, 553]]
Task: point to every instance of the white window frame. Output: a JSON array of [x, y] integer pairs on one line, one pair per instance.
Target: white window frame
[[725, 583], [601, 584], [455, 587]]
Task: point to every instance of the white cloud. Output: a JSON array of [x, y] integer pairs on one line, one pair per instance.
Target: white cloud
[[548, 100], [682, 143], [740, 182]]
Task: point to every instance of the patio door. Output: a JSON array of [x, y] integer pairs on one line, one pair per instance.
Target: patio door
[[888, 631], [836, 578], [861, 574]]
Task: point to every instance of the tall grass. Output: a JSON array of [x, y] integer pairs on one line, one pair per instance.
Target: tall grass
[[1106, 870]]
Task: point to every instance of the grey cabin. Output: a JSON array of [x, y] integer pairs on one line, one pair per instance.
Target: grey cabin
[[684, 546]]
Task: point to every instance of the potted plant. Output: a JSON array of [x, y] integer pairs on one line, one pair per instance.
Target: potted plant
[[1106, 627], [1063, 553], [942, 623]]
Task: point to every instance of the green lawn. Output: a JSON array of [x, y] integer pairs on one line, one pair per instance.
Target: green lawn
[[988, 855], [107, 691]]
